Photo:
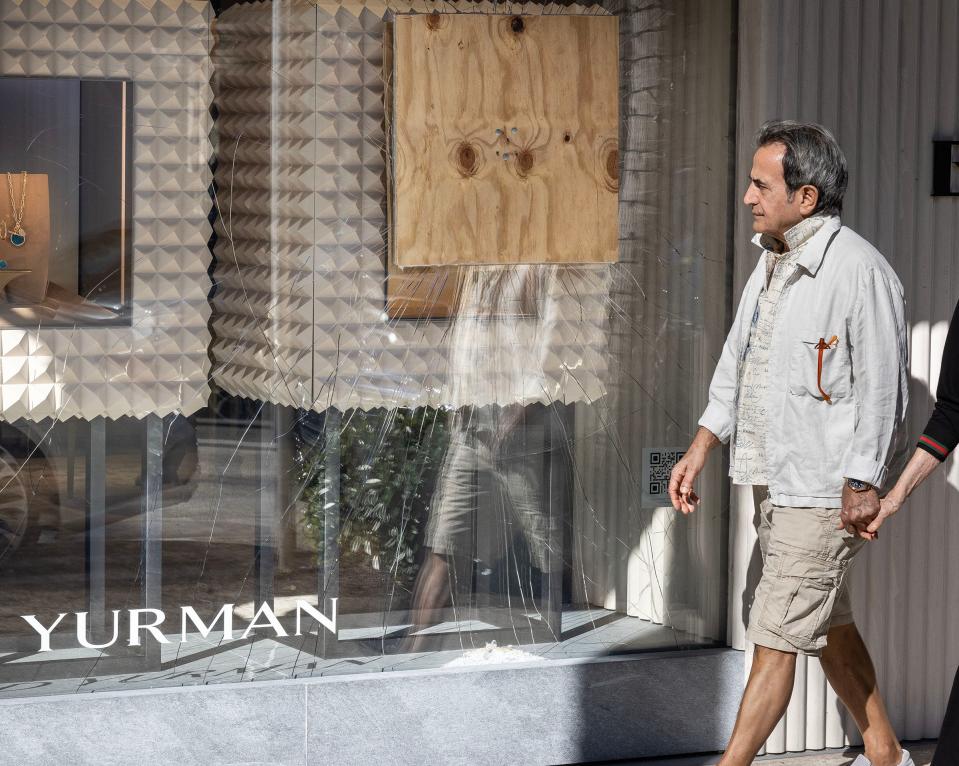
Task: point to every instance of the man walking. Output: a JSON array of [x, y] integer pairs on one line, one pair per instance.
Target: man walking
[[811, 391]]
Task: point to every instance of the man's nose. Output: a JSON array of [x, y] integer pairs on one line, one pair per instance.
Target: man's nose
[[749, 198]]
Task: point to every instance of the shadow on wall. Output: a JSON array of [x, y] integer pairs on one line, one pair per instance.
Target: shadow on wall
[[661, 705]]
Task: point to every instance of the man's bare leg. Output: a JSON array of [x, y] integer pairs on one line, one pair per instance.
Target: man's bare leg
[[764, 702], [849, 668], [429, 594]]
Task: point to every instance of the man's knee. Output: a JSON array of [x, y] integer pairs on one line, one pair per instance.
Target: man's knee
[[842, 639], [765, 655], [846, 629]]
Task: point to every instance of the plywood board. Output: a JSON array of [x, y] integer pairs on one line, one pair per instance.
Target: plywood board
[[413, 293], [422, 293], [505, 139]]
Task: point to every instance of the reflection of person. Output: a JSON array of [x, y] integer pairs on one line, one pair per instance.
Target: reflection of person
[[490, 450], [490, 477], [937, 442], [811, 389], [488, 470]]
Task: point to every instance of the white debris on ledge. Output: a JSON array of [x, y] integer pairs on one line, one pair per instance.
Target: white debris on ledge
[[492, 654]]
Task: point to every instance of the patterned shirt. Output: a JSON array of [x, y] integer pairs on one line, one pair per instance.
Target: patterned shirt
[[750, 465]]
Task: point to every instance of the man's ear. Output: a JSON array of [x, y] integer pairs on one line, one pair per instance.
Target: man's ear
[[808, 199]]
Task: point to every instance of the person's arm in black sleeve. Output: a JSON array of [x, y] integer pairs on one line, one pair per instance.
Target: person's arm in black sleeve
[[937, 441], [941, 435]]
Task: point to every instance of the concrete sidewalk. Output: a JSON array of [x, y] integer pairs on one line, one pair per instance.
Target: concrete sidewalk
[[921, 752]]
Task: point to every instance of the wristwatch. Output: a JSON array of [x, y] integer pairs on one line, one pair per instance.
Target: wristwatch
[[858, 486]]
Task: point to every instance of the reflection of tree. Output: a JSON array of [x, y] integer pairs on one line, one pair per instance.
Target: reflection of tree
[[388, 465]]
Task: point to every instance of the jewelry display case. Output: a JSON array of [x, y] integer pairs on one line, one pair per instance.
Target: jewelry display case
[[122, 325], [65, 201]]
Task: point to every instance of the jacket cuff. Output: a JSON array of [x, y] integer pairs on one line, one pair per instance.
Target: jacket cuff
[[864, 469], [716, 419], [933, 447]]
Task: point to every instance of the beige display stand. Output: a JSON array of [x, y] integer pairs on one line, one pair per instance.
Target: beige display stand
[[34, 255]]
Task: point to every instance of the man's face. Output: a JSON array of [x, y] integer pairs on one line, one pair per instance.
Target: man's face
[[767, 196]]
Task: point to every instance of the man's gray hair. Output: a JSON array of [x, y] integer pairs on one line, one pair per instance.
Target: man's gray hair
[[812, 157]]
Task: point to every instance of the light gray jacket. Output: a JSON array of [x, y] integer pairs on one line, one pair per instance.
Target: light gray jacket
[[842, 287]]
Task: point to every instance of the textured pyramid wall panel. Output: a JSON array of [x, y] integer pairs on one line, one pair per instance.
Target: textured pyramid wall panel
[[160, 363], [329, 159], [265, 176]]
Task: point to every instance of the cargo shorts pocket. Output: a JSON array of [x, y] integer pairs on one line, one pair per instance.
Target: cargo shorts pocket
[[801, 592]]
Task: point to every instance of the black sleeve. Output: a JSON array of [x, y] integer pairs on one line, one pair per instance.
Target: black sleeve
[[942, 431]]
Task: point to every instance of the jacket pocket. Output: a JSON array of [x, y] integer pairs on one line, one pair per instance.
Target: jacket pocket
[[829, 380]]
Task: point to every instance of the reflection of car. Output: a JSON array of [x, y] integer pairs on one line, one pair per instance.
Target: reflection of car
[[41, 464], [23, 470], [14, 504], [180, 456]]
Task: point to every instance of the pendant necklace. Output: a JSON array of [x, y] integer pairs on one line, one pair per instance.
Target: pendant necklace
[[17, 236]]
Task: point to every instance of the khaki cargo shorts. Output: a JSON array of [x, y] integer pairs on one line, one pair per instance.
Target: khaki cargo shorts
[[804, 589], [499, 489]]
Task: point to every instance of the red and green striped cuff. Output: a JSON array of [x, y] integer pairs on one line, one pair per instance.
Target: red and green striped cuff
[[933, 447]]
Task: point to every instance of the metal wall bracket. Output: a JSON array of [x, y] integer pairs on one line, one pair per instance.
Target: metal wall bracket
[[945, 168]]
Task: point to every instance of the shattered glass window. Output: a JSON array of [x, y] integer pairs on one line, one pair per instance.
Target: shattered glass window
[[225, 455]]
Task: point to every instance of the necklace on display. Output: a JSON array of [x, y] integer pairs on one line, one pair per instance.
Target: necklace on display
[[17, 235]]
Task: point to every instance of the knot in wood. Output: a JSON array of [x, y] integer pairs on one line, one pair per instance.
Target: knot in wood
[[516, 24], [612, 165], [524, 162], [466, 158]]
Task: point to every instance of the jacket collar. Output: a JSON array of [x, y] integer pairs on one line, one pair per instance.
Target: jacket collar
[[812, 253]]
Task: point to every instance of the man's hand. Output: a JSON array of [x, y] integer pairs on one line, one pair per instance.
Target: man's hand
[[681, 481], [859, 511], [684, 473]]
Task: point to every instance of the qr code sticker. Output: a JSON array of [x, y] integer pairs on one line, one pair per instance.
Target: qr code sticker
[[658, 464]]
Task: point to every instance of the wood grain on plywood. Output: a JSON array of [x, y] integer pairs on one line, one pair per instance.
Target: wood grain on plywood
[[416, 292], [505, 139]]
